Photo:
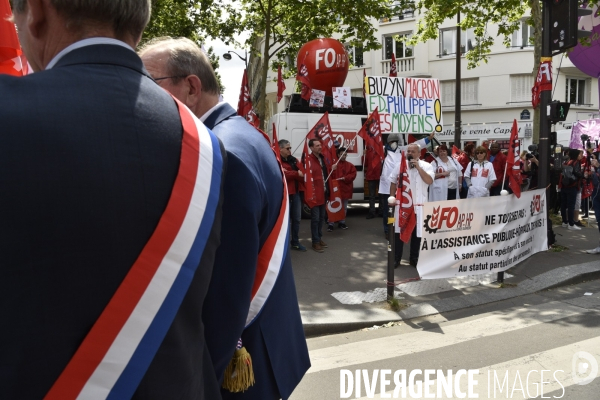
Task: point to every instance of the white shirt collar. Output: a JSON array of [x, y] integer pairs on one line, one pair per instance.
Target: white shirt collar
[[83, 43], [207, 114]]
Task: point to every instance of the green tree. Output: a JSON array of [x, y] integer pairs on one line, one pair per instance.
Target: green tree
[[276, 29], [507, 14]]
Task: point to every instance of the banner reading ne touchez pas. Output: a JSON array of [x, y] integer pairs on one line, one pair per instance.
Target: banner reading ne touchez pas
[[405, 105], [481, 235]]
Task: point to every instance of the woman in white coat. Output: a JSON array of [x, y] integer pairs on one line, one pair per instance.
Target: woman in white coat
[[448, 177], [480, 175]]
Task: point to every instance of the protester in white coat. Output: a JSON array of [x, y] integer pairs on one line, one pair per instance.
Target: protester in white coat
[[480, 175], [448, 177], [391, 164]]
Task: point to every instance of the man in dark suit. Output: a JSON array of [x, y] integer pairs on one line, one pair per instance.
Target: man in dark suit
[[106, 258], [254, 193]]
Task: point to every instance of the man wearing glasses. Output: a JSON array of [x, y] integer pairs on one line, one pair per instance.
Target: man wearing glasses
[[295, 184], [253, 204]]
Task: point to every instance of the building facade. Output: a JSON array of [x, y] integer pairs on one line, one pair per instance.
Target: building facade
[[492, 94]]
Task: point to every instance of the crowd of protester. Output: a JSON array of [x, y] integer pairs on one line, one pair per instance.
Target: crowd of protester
[[470, 173]]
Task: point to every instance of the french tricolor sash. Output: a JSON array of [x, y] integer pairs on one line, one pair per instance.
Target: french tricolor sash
[[271, 256], [116, 353], [239, 374]]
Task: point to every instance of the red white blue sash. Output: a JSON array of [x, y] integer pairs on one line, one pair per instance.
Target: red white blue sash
[[271, 256], [116, 353]]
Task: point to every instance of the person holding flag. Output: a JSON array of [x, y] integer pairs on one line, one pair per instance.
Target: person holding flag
[[318, 171], [372, 158], [410, 182], [344, 174], [390, 168]]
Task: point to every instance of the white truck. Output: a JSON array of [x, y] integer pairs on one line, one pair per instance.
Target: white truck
[[294, 127]]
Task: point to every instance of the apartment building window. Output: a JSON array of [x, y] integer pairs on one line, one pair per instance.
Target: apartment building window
[[577, 90], [398, 14], [355, 55], [469, 89], [398, 48], [520, 88], [520, 37], [468, 41]]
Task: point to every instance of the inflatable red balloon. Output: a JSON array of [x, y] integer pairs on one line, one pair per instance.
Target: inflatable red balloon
[[327, 63]]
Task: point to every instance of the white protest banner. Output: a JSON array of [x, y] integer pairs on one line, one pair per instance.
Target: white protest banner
[[481, 235], [406, 105]]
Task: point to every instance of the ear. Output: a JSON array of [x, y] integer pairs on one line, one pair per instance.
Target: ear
[[37, 17], [194, 93]]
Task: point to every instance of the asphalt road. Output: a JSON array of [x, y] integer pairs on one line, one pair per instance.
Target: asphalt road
[[513, 339]]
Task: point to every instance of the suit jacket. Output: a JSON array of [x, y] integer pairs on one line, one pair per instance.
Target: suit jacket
[[89, 152], [253, 195]]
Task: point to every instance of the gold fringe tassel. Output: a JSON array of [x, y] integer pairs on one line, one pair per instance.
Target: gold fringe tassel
[[239, 375]]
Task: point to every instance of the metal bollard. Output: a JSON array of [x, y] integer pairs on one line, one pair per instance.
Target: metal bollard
[[391, 247]]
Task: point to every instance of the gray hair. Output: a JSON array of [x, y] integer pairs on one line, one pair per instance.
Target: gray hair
[[414, 145], [283, 143], [125, 16], [185, 58]]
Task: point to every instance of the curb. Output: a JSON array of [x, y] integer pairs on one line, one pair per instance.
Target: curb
[[327, 322]]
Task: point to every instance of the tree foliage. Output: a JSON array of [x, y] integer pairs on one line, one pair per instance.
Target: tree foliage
[[276, 29], [506, 14]]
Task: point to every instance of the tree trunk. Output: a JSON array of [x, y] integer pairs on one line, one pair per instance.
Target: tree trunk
[[266, 57], [536, 15]]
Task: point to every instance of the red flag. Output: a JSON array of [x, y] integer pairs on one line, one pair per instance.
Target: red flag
[[322, 131], [371, 134], [512, 161], [280, 84], [455, 152], [335, 207], [543, 81], [309, 188], [364, 80], [393, 69], [12, 60], [407, 219], [245, 104], [275, 144], [302, 76]]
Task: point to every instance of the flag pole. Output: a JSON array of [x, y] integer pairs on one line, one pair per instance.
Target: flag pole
[[504, 177], [337, 162]]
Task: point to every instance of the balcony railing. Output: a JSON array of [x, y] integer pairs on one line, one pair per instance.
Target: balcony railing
[[402, 65]]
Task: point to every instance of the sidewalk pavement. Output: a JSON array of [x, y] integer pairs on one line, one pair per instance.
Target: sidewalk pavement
[[344, 288]]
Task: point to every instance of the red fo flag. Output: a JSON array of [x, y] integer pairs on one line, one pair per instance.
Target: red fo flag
[[371, 134], [393, 69], [302, 77], [12, 60], [543, 82], [245, 104], [275, 144], [335, 207], [512, 161], [280, 84], [322, 131], [455, 152], [309, 188], [407, 219]]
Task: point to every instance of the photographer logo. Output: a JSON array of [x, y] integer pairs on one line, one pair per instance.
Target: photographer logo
[[584, 368]]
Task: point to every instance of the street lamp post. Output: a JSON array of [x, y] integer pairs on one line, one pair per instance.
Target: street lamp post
[[227, 56]]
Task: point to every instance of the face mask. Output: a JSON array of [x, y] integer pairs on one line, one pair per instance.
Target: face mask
[[394, 145]]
